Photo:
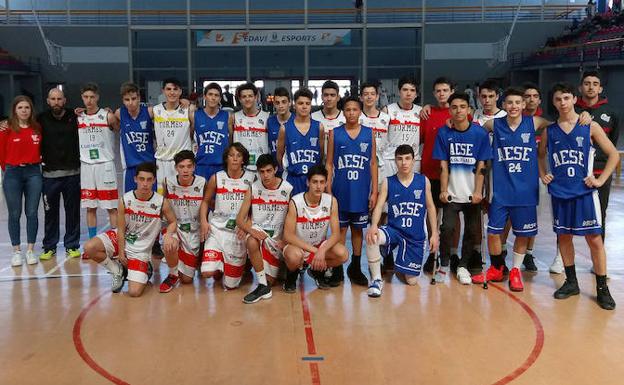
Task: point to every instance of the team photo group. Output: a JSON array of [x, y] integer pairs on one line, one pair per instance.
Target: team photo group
[[215, 192]]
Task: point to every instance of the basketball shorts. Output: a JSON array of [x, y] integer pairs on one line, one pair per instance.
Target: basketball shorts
[[357, 220], [188, 251], [577, 216], [409, 256], [224, 252], [166, 169], [98, 185], [298, 181], [207, 170], [306, 256], [523, 219], [137, 264], [271, 255]]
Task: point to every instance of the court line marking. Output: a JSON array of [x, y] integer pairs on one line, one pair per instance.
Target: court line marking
[[38, 277], [309, 333]]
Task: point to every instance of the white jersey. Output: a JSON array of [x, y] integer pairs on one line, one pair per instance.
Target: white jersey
[[313, 222], [252, 132], [96, 138], [172, 129], [329, 123], [185, 202], [229, 196], [480, 117], [143, 223], [269, 207], [404, 128], [379, 125]]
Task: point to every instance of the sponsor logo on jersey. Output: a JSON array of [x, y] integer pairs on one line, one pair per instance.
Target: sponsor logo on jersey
[[313, 142], [525, 137], [153, 206], [100, 116], [143, 124], [605, 117], [363, 147], [417, 194], [220, 125], [579, 141], [261, 121]]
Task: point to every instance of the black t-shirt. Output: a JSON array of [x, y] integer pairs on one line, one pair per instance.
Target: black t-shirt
[[59, 144]]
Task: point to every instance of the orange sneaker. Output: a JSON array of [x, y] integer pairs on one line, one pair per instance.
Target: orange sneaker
[[492, 275], [515, 280]]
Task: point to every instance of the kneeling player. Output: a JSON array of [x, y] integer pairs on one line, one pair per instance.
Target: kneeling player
[[224, 249], [268, 202], [139, 223], [310, 215], [409, 205]]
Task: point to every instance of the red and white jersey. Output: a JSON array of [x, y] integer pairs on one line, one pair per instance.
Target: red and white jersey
[[269, 207], [252, 132], [329, 123], [404, 128], [172, 129], [379, 125], [313, 221], [185, 202], [96, 138], [229, 196], [480, 117], [143, 223]]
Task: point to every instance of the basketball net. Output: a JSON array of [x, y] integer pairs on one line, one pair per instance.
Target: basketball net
[[55, 51]]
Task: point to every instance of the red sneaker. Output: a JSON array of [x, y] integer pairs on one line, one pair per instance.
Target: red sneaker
[[515, 280], [169, 283], [492, 275]]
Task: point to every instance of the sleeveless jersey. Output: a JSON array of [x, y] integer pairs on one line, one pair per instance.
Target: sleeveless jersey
[[251, 132], [571, 159], [212, 136], [229, 196], [302, 151], [269, 207], [136, 137], [329, 123], [480, 117], [95, 137], [379, 125], [185, 202], [352, 176], [143, 223], [514, 163], [407, 207], [403, 128], [273, 127], [172, 130], [313, 222]]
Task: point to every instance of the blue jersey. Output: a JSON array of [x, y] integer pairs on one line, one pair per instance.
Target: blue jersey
[[273, 127], [302, 151], [514, 163], [407, 207], [352, 176], [212, 136], [136, 137], [571, 158]]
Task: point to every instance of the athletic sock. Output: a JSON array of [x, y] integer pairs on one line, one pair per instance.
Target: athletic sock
[[92, 231], [529, 251], [570, 272], [453, 250], [355, 261], [517, 259], [111, 266], [173, 271], [261, 277], [375, 270], [601, 281], [497, 260], [504, 249]]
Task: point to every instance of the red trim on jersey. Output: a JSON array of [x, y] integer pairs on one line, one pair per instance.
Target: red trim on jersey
[[140, 213], [137, 265], [183, 197], [407, 122], [112, 236], [223, 190], [253, 129], [381, 129], [268, 257], [260, 201], [314, 220], [85, 125]]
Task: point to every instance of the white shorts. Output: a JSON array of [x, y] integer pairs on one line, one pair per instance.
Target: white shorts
[[188, 252], [137, 267], [165, 169], [224, 252], [271, 254], [98, 185]]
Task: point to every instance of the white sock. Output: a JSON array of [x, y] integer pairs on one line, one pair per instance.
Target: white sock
[[530, 251], [173, 270], [111, 266], [453, 250], [261, 277], [517, 259], [375, 270]]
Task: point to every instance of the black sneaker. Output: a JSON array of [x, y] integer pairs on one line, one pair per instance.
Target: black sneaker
[[290, 284], [454, 263], [604, 298], [319, 279], [529, 263], [475, 263], [157, 250], [428, 266], [150, 270], [388, 260], [568, 289], [260, 292], [337, 276], [356, 276]]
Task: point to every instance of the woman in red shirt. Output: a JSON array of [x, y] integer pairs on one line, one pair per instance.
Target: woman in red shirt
[[20, 158]]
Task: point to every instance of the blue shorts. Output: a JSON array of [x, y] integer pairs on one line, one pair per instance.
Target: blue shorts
[[523, 219], [357, 220], [577, 216], [409, 255], [299, 183], [129, 184], [207, 170]]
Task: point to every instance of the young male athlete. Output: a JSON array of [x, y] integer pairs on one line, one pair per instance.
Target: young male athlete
[[311, 214], [352, 170], [140, 213], [98, 178], [266, 203], [282, 103], [300, 142], [250, 124], [224, 247], [330, 115], [488, 98], [573, 187], [410, 205], [378, 121]]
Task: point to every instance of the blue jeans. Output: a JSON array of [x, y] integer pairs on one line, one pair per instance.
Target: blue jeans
[[23, 181]]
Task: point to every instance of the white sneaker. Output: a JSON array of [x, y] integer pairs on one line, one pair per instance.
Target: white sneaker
[[31, 259], [463, 276], [375, 288], [441, 274], [557, 265], [17, 259]]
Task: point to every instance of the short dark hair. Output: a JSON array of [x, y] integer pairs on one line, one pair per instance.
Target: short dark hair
[[91, 86], [128, 88], [246, 86], [408, 80], [173, 81], [147, 167], [532, 86], [266, 160], [565, 88], [282, 92], [489, 84], [369, 85], [184, 155], [330, 84], [513, 91], [592, 73], [213, 86], [238, 147], [443, 80], [404, 149], [354, 99], [317, 169], [459, 95], [303, 92]]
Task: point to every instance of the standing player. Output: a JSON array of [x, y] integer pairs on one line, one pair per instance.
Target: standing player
[[378, 121], [352, 170], [281, 101], [488, 97], [139, 225], [410, 205], [213, 132], [224, 248], [300, 142], [330, 115], [572, 185], [250, 124], [267, 202], [311, 214], [98, 179]]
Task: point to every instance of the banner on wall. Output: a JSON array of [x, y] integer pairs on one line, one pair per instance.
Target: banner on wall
[[296, 37]]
